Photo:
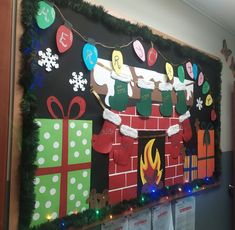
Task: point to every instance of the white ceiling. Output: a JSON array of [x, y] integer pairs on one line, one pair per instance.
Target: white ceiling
[[222, 12]]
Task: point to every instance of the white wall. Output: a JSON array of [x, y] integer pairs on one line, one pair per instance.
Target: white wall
[[180, 21]]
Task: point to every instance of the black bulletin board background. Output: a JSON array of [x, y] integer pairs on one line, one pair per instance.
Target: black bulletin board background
[[94, 23]]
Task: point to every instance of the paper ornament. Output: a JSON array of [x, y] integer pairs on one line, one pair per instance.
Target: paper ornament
[[139, 50], [169, 71], [64, 38], [205, 87], [200, 79], [213, 115], [90, 55], [152, 56], [195, 71], [189, 69], [209, 100], [181, 73], [45, 15], [117, 61]]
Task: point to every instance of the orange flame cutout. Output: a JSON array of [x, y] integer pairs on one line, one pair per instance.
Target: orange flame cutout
[[150, 169]]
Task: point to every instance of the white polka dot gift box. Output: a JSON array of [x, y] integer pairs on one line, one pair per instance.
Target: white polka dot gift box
[[62, 182]]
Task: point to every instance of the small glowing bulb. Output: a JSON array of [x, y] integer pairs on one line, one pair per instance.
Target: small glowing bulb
[[131, 209], [189, 191], [97, 212], [197, 187], [49, 217], [167, 187], [110, 216], [180, 189], [142, 199], [167, 197]]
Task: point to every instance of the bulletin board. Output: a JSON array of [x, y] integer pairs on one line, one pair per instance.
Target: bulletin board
[[114, 117]]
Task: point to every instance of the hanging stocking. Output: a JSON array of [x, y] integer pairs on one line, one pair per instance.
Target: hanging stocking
[[103, 141], [166, 106], [175, 137], [181, 106], [122, 155], [187, 129], [144, 107], [120, 99]]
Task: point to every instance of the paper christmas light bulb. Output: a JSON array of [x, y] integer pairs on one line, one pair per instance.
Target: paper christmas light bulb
[[90, 55], [205, 87], [45, 15], [181, 73], [169, 71], [152, 56], [189, 69], [139, 50], [64, 38], [213, 115], [209, 100], [195, 71], [200, 79], [117, 61]]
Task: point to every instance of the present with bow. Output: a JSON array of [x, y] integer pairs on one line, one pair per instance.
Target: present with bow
[[190, 166], [62, 182], [206, 150]]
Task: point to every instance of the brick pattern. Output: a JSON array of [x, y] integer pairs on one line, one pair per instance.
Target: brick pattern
[[123, 179]]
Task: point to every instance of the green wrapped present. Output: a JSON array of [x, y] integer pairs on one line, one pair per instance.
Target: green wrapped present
[[62, 182]]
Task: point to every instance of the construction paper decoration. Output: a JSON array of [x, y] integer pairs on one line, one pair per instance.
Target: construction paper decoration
[[186, 126], [139, 50], [117, 61], [190, 168], [103, 141], [166, 106], [152, 56], [90, 56], [64, 38], [213, 115], [205, 87], [195, 71], [169, 71], [209, 100], [45, 15], [78, 81], [144, 107], [181, 106], [62, 182], [48, 60], [206, 152], [181, 73], [189, 69], [200, 79]]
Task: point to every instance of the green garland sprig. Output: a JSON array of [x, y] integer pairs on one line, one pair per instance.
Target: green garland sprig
[[30, 128]]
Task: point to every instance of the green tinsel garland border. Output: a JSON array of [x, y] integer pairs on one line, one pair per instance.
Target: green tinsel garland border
[[30, 129]]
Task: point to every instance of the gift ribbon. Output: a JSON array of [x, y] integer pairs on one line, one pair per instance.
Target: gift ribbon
[[65, 167]]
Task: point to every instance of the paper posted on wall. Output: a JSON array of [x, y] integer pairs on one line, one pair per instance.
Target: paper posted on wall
[[140, 221], [185, 214], [119, 224], [162, 217]]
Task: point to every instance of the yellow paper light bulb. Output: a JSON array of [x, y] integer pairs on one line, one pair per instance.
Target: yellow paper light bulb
[[209, 100], [169, 71], [117, 61]]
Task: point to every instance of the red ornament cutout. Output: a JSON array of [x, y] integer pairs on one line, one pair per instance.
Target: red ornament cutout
[[213, 115], [64, 38], [152, 56]]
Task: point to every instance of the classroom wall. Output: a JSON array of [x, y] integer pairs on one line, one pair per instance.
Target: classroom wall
[[174, 18]]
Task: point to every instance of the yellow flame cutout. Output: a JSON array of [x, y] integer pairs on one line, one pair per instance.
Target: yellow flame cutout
[[149, 162]]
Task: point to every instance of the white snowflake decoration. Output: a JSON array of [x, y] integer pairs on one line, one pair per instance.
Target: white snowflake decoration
[[199, 103], [78, 81], [48, 59]]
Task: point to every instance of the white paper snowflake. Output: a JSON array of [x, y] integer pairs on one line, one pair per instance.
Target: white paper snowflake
[[48, 59], [199, 103], [78, 81]]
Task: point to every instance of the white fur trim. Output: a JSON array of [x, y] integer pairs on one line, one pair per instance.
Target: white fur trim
[[165, 86], [128, 131], [112, 117], [121, 77], [173, 130], [179, 87], [146, 84], [184, 116]]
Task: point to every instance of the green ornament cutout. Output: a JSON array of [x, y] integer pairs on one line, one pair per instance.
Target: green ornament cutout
[[181, 73], [181, 106], [144, 107], [205, 87], [45, 15], [120, 99]]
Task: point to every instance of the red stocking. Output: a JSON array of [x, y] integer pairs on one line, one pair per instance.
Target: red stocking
[[175, 137], [103, 141], [122, 155], [187, 129]]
